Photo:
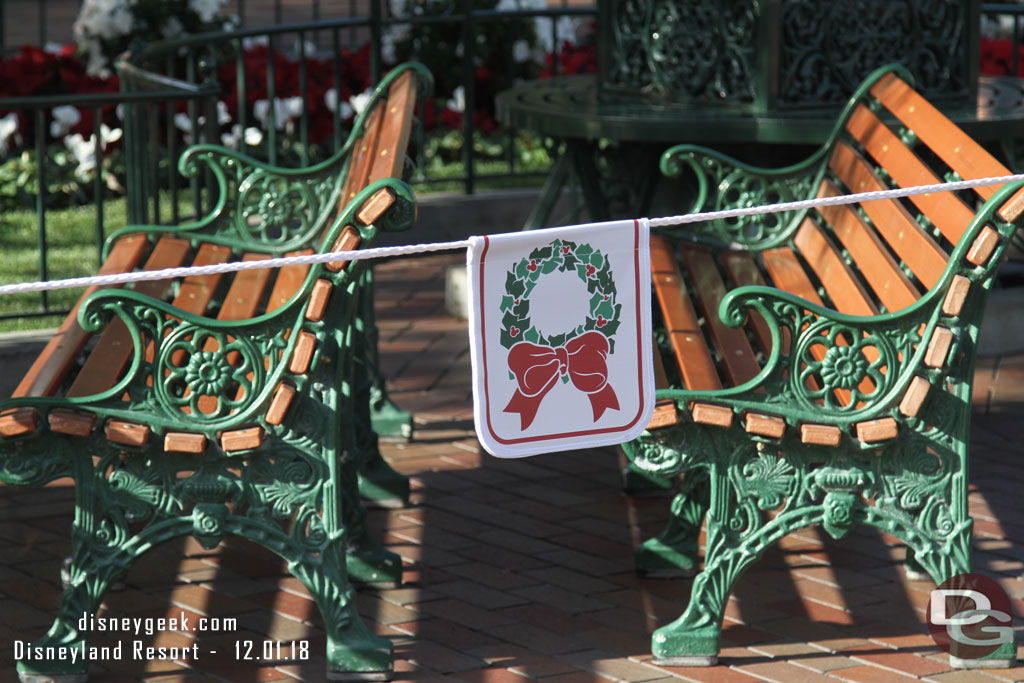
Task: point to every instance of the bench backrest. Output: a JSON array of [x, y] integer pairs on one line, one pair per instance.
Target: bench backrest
[[882, 255], [876, 257]]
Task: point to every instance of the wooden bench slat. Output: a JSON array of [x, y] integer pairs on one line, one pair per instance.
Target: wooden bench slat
[[692, 354], [245, 292], [112, 352], [841, 285], [197, 290], [289, 280], [240, 303], [787, 274], [877, 266], [945, 210], [742, 269], [730, 342], [946, 139], [396, 129], [56, 359], [362, 159], [906, 237]]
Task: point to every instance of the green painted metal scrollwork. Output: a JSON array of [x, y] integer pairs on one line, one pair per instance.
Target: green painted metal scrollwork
[[698, 50], [724, 183]]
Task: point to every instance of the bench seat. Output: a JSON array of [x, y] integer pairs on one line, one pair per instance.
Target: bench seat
[[815, 366]]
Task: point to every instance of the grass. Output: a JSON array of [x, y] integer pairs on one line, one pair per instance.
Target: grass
[[72, 250]]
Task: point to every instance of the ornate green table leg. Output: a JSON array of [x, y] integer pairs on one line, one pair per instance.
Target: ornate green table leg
[[674, 552]]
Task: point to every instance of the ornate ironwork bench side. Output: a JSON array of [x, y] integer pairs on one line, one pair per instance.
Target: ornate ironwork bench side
[[820, 362], [223, 404]]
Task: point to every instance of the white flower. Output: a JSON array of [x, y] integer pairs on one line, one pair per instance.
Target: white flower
[[458, 100], [284, 110], [183, 122], [304, 47], [84, 151], [360, 101], [388, 53], [253, 136], [108, 134], [331, 102], [223, 115], [8, 129], [65, 117], [521, 51], [206, 9], [255, 41]]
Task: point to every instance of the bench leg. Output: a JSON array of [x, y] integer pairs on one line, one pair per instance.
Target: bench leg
[[369, 564], [379, 485], [388, 420], [94, 566], [673, 552], [354, 653]]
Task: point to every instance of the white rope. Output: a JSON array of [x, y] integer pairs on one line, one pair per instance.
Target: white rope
[[834, 201], [384, 252], [185, 271]]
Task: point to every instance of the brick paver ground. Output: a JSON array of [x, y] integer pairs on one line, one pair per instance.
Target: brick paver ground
[[522, 569]]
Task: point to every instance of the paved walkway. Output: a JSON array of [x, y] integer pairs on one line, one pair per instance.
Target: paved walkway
[[521, 569]]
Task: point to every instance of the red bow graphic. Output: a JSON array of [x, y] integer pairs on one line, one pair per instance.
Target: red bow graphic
[[537, 368]]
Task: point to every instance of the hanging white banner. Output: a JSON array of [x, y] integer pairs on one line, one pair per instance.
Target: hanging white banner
[[560, 336]]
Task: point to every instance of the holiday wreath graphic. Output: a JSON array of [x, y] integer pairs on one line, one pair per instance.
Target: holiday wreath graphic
[[536, 361]]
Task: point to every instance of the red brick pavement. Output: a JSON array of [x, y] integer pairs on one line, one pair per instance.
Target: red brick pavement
[[522, 569]]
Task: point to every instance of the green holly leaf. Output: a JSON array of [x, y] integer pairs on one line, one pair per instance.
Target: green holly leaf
[[597, 260], [523, 309], [514, 285], [533, 275], [595, 300], [541, 253], [532, 335], [610, 328], [584, 251], [512, 375], [549, 266], [521, 270], [565, 379], [569, 262], [506, 303], [510, 319], [556, 340], [604, 308], [506, 339]]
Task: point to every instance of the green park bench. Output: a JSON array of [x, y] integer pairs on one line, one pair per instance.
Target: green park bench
[[229, 404], [817, 364]]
